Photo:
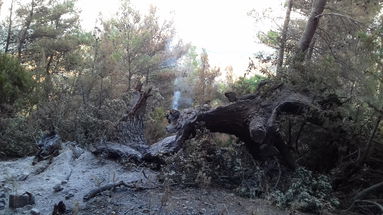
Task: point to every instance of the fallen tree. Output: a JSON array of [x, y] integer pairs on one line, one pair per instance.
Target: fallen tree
[[252, 118], [129, 142]]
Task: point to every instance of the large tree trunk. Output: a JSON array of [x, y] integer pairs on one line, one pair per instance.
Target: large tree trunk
[[284, 36], [311, 27], [252, 118]]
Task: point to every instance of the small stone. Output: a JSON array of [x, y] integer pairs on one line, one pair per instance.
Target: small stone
[[2, 195], [68, 196], [146, 211], [64, 182], [19, 201], [57, 188], [35, 211]]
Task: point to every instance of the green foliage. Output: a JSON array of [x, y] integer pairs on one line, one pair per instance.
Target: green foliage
[[15, 83], [307, 192], [156, 125], [207, 160], [247, 85], [271, 38]]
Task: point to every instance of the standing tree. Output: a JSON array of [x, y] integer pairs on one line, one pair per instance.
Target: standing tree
[[283, 37], [9, 32], [204, 88]]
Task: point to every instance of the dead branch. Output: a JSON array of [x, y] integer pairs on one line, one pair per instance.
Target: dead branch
[[366, 191], [132, 185]]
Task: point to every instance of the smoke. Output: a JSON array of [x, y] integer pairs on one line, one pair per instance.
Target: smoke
[[183, 93], [176, 99]]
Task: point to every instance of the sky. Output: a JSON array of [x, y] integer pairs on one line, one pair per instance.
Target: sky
[[222, 27]]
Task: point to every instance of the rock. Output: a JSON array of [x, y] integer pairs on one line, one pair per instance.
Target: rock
[[2, 195], [50, 146], [57, 188], [77, 151], [35, 211], [2, 204], [59, 209], [68, 196], [19, 201]]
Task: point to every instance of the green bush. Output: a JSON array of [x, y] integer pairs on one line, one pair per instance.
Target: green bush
[[15, 84], [306, 192], [155, 126]]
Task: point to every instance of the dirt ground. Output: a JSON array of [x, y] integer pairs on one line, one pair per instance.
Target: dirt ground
[[178, 201], [77, 174]]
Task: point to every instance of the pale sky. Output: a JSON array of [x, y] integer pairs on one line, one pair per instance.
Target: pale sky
[[222, 27]]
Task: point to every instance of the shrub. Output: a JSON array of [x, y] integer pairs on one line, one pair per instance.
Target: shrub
[[15, 84], [247, 85], [306, 192], [17, 137]]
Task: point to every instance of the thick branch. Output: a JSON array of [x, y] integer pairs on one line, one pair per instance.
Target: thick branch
[[368, 190], [93, 193]]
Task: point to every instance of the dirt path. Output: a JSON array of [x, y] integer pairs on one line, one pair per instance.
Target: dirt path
[[179, 201]]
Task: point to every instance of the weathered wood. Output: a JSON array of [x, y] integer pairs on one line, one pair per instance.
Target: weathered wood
[[130, 129], [252, 118], [117, 151], [133, 185]]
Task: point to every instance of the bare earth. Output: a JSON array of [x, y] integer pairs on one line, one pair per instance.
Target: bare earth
[[77, 174]]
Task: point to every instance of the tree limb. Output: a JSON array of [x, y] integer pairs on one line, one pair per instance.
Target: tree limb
[[366, 191]]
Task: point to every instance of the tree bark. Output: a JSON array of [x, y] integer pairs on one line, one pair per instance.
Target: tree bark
[[130, 129], [284, 36], [310, 29], [311, 49], [252, 118]]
